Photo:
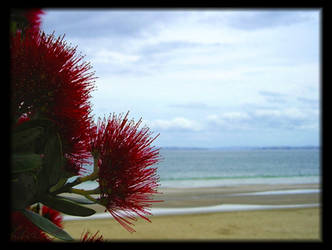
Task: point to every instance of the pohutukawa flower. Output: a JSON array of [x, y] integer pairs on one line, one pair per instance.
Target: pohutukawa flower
[[89, 237], [49, 79], [126, 178], [33, 17], [52, 215], [24, 230]]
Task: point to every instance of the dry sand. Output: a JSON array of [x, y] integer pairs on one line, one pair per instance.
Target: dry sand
[[285, 224], [282, 224]]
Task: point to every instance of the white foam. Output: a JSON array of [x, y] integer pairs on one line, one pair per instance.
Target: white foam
[[195, 210]]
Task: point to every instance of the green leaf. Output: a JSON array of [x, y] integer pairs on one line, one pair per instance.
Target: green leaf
[[46, 225], [53, 164], [23, 140], [30, 136], [13, 27], [23, 190], [53, 160], [80, 200], [25, 162], [66, 206], [41, 122]]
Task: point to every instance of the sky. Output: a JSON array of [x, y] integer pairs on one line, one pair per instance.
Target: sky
[[203, 77]]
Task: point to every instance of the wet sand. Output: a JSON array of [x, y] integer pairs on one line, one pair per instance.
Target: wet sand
[[208, 196]]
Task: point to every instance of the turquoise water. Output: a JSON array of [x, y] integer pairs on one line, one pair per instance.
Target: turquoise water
[[204, 168]]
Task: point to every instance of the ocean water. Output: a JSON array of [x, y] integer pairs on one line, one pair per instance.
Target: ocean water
[[204, 168], [185, 168]]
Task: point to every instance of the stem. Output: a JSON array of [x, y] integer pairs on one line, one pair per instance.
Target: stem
[[91, 177], [95, 163], [86, 193]]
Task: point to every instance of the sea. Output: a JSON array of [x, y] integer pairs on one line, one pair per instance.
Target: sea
[[193, 167]]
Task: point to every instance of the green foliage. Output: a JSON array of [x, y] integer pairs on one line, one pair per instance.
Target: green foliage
[[24, 189], [23, 140], [81, 200], [46, 225], [53, 160], [37, 161], [24, 162], [66, 206]]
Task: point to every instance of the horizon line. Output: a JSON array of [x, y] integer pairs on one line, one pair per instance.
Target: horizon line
[[241, 147]]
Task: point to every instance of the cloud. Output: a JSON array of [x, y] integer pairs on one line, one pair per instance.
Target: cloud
[[273, 96], [192, 105], [235, 116], [309, 102], [114, 57], [266, 119], [290, 113], [288, 118], [105, 22], [230, 121], [241, 121], [176, 41], [258, 19], [201, 72], [176, 124], [161, 47]]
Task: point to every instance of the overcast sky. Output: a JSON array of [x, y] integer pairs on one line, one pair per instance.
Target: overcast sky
[[203, 78]]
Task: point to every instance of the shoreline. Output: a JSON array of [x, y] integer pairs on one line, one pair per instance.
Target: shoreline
[[199, 210], [237, 194], [245, 195]]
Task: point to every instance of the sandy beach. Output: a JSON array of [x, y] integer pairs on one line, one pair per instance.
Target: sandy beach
[[275, 224]]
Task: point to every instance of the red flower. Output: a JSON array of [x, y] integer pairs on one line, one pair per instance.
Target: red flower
[[88, 237], [52, 215], [48, 79], [22, 119], [33, 17], [24, 230], [126, 178]]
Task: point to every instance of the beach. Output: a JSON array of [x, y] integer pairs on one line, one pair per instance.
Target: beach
[[241, 212]]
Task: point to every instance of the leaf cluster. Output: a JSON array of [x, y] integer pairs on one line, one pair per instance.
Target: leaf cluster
[[37, 169]]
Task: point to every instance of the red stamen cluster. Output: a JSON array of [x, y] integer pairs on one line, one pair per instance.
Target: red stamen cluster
[[125, 177], [49, 80], [89, 237], [33, 17], [52, 215], [24, 230]]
